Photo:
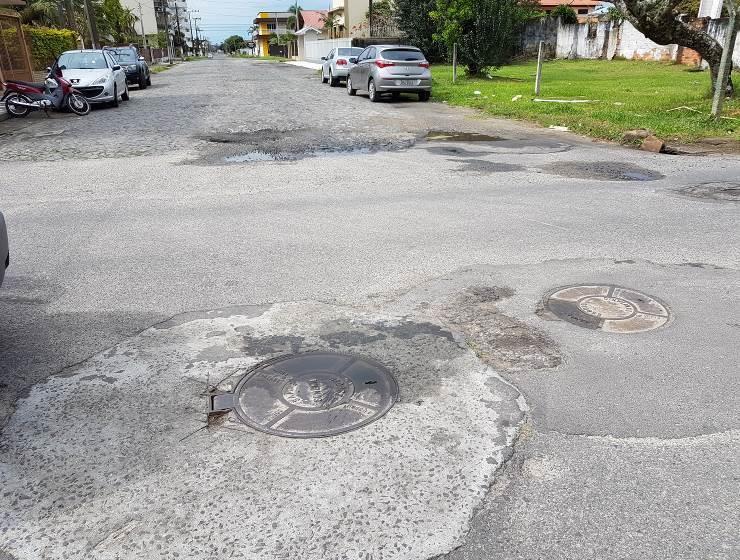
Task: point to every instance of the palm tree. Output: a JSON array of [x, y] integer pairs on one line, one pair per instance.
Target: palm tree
[[41, 12]]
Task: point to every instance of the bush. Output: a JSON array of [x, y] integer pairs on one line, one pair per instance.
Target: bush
[[566, 14], [47, 44]]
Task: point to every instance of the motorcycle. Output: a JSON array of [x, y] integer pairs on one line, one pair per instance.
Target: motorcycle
[[56, 94]]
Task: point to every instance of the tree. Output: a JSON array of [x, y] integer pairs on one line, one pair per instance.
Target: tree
[[41, 12], [414, 19], [661, 22], [486, 31], [567, 15], [234, 43]]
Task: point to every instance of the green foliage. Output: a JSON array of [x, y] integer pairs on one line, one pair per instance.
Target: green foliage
[[414, 19], [234, 43], [115, 21], [566, 14], [47, 44], [41, 12], [615, 14], [486, 31]]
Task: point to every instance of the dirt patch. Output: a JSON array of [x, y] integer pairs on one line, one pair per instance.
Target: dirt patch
[[602, 171], [505, 343], [452, 136]]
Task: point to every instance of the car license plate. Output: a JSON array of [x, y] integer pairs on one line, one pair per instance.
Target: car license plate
[[406, 82]]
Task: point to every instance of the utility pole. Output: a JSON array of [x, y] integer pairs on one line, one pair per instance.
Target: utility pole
[[725, 65], [177, 23], [370, 19], [141, 20], [92, 27], [167, 31], [197, 37]]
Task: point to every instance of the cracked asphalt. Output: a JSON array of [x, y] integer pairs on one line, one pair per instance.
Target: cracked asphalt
[[238, 211]]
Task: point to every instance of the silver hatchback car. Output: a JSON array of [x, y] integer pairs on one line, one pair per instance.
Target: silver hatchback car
[[335, 65], [393, 69]]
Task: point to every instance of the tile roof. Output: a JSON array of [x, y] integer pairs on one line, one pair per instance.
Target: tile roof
[[313, 18]]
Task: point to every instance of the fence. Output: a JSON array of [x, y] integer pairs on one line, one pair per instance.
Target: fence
[[609, 39], [15, 60], [314, 50]]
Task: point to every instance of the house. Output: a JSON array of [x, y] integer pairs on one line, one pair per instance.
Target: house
[[581, 7], [348, 15], [336, 13], [312, 29], [267, 24], [145, 13]]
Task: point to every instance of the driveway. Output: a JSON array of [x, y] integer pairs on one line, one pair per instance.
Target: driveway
[[559, 317]]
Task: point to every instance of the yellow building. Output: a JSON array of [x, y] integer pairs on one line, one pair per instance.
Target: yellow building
[[269, 23]]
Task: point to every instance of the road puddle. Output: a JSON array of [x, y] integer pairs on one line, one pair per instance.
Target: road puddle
[[602, 171]]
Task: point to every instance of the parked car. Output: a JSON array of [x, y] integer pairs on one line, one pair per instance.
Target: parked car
[[133, 64], [393, 69], [94, 74], [336, 64], [4, 251]]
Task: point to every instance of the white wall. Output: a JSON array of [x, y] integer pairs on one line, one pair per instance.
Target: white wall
[[315, 49], [146, 14]]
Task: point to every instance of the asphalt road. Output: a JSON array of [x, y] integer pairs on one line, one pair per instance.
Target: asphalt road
[[240, 210]]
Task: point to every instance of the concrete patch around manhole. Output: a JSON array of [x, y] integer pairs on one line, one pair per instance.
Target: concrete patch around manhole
[[717, 191], [606, 307], [602, 171], [316, 394], [119, 456]]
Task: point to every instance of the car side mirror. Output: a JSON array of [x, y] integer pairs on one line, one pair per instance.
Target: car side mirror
[[48, 69], [142, 58], [353, 60], [117, 67], [323, 58]]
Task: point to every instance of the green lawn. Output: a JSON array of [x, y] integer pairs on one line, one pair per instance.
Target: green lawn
[[627, 95]]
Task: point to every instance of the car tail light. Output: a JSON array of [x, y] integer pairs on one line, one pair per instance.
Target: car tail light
[[341, 62], [424, 64], [384, 63]]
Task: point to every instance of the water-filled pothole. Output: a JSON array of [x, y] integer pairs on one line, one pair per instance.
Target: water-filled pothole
[[602, 171], [719, 191], [454, 136]]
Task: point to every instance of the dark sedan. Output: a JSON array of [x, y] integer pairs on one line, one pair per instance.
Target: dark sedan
[[135, 66]]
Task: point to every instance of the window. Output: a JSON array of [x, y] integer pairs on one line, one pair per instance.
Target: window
[[354, 51], [403, 54], [271, 26], [371, 53], [83, 60]]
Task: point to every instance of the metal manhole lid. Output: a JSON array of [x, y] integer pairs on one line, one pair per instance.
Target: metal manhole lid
[[311, 395], [607, 308]]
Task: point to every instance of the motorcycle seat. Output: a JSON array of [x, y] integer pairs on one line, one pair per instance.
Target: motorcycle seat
[[39, 85]]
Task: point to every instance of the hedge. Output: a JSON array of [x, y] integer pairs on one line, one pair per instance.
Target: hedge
[[46, 44]]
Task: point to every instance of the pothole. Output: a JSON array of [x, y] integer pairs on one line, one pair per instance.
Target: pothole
[[452, 136], [602, 171], [720, 191], [608, 308], [312, 395], [484, 167], [268, 144]]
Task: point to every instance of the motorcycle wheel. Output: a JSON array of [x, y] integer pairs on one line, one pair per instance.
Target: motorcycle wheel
[[17, 110], [78, 104]]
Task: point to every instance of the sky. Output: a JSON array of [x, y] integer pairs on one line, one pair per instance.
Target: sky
[[222, 18]]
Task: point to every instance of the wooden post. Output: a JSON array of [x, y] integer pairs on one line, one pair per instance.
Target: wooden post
[[454, 63], [725, 65], [538, 79]]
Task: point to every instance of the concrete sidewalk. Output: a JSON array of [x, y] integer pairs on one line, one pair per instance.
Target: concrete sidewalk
[[305, 64]]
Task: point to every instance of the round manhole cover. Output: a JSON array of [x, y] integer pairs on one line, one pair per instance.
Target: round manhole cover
[[608, 308], [713, 191], [314, 395]]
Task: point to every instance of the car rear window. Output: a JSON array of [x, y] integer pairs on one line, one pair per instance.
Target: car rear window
[[350, 52], [124, 55], [402, 54]]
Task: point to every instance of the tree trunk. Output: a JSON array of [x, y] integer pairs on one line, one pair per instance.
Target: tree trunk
[[658, 21]]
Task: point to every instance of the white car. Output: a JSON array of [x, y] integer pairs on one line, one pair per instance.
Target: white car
[[95, 74], [4, 253]]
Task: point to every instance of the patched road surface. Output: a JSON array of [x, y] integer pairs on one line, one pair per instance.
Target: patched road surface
[[520, 343]]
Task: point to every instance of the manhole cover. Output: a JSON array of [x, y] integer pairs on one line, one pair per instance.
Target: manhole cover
[[713, 191], [608, 308], [311, 395]]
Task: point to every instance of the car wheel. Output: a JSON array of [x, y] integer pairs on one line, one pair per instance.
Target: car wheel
[[424, 96], [324, 79], [142, 82], [125, 96], [149, 80], [372, 92], [350, 90], [333, 82], [115, 102]]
